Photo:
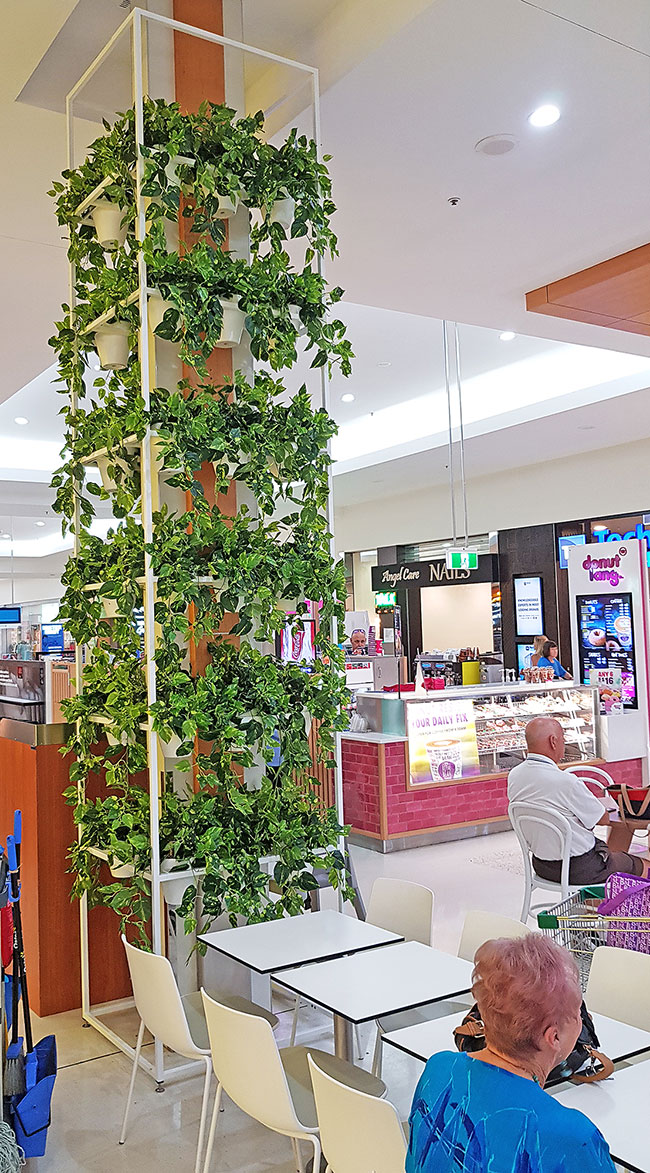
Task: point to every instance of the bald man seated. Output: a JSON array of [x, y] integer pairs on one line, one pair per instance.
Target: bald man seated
[[540, 782]]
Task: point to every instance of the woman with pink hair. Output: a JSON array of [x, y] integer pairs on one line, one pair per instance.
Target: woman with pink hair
[[486, 1111]]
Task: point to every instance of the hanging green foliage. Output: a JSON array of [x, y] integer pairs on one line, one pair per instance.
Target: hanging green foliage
[[226, 580]]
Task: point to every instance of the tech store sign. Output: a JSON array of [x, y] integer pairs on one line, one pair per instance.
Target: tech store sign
[[415, 575], [601, 533]]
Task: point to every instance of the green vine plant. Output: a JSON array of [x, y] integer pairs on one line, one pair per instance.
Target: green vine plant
[[230, 582]]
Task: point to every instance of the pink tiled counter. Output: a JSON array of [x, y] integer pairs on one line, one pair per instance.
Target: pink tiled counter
[[386, 815]]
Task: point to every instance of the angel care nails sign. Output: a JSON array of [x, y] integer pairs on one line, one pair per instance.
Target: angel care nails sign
[[442, 742]]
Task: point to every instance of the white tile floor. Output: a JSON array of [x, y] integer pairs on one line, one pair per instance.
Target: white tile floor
[[92, 1082]]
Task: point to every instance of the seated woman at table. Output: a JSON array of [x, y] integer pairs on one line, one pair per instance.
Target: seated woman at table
[[487, 1110]]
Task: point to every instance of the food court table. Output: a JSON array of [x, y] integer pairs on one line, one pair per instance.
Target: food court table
[[377, 983], [619, 1108], [274, 945], [618, 1040]]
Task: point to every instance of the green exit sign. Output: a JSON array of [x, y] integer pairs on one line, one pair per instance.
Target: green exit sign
[[462, 560], [384, 600]]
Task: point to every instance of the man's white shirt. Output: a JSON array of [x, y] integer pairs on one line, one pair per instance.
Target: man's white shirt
[[540, 782]]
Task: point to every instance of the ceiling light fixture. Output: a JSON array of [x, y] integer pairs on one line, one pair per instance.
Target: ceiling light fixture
[[496, 144], [507, 336], [5, 536], [545, 115], [39, 523], [599, 529], [21, 420], [347, 398], [384, 364]]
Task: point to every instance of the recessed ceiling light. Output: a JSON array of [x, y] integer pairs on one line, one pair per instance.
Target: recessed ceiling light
[[347, 398], [507, 336], [384, 364], [40, 523], [544, 115], [7, 536], [21, 420], [599, 529]]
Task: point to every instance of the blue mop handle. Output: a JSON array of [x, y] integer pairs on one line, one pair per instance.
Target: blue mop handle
[[18, 827], [11, 854]]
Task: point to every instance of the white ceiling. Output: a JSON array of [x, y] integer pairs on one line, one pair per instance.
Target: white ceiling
[[409, 89]]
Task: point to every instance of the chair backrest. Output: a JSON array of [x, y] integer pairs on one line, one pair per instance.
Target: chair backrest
[[585, 772], [524, 817], [483, 926], [158, 1001], [246, 1061], [359, 1133], [619, 985], [402, 907]]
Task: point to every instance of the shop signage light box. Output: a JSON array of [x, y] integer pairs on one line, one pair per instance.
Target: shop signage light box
[[529, 611], [414, 575], [384, 600]]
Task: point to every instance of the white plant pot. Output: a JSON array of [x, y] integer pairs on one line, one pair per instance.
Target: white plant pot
[[158, 307], [170, 748], [119, 870], [109, 482], [283, 212], [174, 890], [300, 328], [107, 221], [111, 608], [111, 739], [232, 326], [112, 344]]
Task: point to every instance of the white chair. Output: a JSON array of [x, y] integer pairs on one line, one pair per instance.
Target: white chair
[[584, 770], [481, 926], [524, 817], [272, 1086], [178, 1022], [358, 1133], [619, 985], [399, 906]]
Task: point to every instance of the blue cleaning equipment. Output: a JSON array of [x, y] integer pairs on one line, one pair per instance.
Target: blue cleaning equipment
[[31, 1108], [14, 1074]]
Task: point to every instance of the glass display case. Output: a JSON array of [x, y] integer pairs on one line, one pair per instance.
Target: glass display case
[[459, 733]]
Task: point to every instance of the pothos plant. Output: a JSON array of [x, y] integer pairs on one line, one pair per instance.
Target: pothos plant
[[226, 580]]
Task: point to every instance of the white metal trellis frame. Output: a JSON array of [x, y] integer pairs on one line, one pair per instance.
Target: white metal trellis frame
[[136, 23]]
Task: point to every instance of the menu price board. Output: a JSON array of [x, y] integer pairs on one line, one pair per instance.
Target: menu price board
[[606, 640], [529, 614], [442, 742]]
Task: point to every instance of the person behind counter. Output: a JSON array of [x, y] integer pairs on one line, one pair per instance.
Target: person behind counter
[[487, 1110], [548, 659], [538, 646], [358, 642]]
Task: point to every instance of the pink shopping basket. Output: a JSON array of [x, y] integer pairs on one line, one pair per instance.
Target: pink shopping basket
[[627, 896]]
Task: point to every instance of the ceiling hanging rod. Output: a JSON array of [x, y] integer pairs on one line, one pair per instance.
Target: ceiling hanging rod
[[445, 347], [462, 431]]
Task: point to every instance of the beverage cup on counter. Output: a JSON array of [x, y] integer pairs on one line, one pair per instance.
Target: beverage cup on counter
[[445, 756], [527, 675]]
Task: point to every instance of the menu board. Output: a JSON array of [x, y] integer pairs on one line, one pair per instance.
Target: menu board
[[529, 614], [606, 640], [442, 742]]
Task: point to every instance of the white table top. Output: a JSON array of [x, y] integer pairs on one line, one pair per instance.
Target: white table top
[[619, 1108], [616, 1039], [381, 982], [298, 940]]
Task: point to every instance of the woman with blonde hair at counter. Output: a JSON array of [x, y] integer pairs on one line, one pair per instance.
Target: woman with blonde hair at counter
[[487, 1110], [538, 645]]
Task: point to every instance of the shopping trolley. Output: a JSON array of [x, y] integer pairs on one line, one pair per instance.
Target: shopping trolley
[[579, 924]]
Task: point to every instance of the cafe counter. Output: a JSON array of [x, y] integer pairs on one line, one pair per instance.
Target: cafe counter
[[434, 767]]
